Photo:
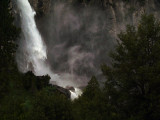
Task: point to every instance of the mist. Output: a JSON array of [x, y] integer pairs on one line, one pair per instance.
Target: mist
[[78, 41]]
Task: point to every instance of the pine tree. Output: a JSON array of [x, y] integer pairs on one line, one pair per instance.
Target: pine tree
[[133, 80], [8, 35]]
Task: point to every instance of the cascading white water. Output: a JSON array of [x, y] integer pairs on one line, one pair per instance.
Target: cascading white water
[[76, 93], [34, 48]]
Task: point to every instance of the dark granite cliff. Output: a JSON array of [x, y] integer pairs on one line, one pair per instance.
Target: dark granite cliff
[[80, 33]]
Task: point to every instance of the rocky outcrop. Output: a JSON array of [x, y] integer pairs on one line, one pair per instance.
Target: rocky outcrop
[[115, 13], [41, 7], [120, 11], [63, 91]]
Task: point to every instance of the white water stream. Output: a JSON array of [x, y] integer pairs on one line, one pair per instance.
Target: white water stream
[[34, 47]]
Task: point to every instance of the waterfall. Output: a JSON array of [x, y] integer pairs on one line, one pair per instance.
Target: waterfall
[[33, 48], [75, 94]]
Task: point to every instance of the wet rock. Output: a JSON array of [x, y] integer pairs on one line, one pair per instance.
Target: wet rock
[[41, 7], [70, 88], [62, 90]]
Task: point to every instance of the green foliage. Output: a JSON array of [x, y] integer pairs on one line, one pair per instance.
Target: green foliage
[[50, 105], [133, 80], [3, 84], [92, 88], [8, 35], [32, 82], [92, 105], [131, 90]]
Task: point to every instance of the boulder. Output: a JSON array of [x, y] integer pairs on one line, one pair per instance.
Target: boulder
[[62, 90]]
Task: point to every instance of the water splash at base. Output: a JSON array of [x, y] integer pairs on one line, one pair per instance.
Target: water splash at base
[[33, 48]]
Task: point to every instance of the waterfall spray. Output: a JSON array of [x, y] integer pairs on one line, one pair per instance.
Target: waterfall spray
[[34, 48]]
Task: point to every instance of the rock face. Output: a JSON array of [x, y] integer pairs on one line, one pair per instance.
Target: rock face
[[69, 26], [33, 83], [119, 10], [62, 90], [41, 6], [70, 88], [63, 27]]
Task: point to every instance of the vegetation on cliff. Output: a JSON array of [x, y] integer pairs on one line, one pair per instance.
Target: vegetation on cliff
[[131, 90]]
